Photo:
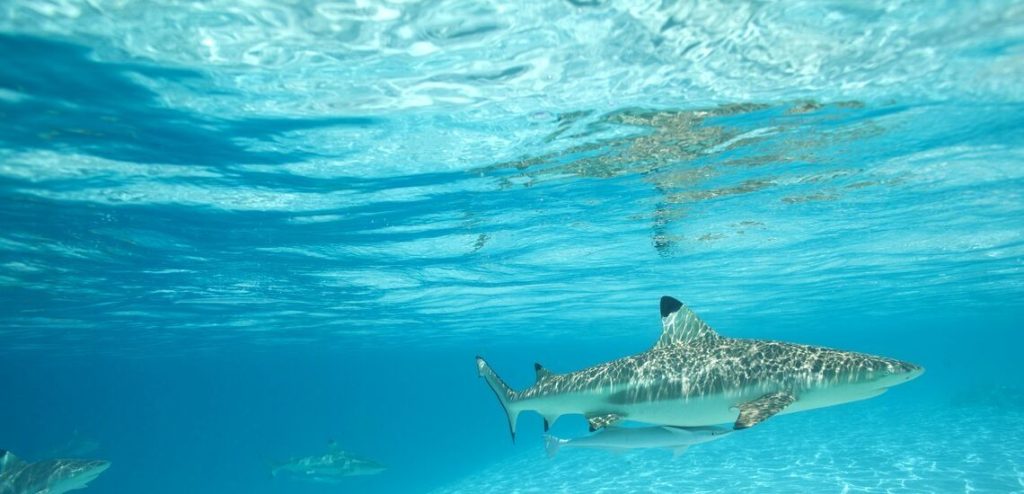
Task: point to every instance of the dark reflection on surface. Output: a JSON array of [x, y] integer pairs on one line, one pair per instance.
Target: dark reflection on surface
[[58, 97]]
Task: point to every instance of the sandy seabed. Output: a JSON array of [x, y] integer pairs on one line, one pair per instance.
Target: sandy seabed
[[855, 448]]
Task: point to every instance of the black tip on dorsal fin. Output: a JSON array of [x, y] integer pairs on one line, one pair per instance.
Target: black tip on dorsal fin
[[541, 371], [669, 305]]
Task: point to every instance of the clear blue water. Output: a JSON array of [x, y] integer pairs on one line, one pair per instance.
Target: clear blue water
[[231, 232]]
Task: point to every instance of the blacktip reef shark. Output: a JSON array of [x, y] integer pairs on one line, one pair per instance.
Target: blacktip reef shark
[[330, 467], [695, 377], [619, 439], [48, 476]]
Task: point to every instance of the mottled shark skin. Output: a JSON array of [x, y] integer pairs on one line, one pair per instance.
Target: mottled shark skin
[[331, 467], [695, 377], [47, 476], [620, 439]]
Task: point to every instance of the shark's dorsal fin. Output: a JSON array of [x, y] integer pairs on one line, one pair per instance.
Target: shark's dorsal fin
[[680, 324], [542, 373], [8, 460]]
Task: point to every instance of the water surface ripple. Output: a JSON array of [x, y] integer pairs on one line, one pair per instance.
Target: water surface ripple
[[268, 173]]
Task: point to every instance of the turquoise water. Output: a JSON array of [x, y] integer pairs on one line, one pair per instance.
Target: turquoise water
[[232, 232]]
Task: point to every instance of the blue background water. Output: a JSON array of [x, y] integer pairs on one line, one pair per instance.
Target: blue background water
[[232, 232]]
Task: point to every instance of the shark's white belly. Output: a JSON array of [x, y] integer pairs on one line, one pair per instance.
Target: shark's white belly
[[707, 410], [704, 410]]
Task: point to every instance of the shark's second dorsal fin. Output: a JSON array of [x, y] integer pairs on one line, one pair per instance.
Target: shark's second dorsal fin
[[542, 373], [680, 324]]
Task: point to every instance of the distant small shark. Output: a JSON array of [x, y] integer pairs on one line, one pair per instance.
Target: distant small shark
[[620, 439], [695, 377], [330, 467], [48, 476]]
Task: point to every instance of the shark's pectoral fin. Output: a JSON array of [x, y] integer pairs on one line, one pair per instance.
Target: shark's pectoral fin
[[598, 421], [678, 451], [756, 411]]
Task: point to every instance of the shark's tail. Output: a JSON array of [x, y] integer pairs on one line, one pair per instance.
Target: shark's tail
[[505, 394], [552, 443]]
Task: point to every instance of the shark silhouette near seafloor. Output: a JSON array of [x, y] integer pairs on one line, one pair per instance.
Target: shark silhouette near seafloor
[[330, 467]]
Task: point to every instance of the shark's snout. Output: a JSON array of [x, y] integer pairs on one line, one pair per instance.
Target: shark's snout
[[899, 373], [371, 468], [906, 370], [93, 469], [914, 372]]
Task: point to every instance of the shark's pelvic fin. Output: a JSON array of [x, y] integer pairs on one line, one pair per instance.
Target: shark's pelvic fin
[[757, 411], [505, 394], [542, 373], [680, 324], [598, 421]]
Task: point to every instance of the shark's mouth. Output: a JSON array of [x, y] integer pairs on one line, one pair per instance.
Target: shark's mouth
[[85, 478]]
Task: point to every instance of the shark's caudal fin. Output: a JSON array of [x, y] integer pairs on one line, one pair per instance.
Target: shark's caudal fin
[[505, 394], [552, 443]]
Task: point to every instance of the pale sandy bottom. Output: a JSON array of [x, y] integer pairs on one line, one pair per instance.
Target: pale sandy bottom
[[854, 448]]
